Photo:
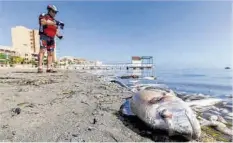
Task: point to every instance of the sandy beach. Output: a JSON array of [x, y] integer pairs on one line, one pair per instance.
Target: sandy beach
[[66, 106]]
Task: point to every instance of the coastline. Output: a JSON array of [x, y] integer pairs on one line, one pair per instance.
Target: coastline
[[69, 105]]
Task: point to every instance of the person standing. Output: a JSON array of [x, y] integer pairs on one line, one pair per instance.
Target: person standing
[[48, 30]]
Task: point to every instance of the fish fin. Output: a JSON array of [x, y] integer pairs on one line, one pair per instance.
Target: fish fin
[[125, 109]]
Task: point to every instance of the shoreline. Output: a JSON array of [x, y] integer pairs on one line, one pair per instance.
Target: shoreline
[[69, 105]]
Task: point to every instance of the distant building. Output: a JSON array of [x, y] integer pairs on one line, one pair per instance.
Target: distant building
[[26, 42], [9, 51], [78, 61]]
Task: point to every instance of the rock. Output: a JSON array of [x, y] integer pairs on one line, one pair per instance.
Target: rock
[[90, 128], [75, 135], [15, 111], [13, 133]]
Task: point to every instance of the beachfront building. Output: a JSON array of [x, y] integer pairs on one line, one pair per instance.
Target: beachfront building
[[5, 53], [25, 41], [68, 60], [8, 51], [78, 63]]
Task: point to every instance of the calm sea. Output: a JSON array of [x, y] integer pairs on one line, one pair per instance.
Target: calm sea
[[213, 82]]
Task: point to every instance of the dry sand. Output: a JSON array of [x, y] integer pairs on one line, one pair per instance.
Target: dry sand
[[64, 106]]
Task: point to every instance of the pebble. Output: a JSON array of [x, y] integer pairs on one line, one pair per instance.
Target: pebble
[[90, 128], [75, 135], [16, 111], [13, 133]]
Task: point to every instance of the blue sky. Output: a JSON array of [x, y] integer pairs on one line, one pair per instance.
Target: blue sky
[[185, 34]]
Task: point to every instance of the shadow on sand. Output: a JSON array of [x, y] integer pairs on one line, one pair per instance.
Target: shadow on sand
[[139, 127]]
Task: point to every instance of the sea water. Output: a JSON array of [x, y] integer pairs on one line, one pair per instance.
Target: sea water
[[213, 82]]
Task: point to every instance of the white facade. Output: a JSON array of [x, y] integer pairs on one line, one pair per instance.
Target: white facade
[[136, 62], [21, 41], [26, 42]]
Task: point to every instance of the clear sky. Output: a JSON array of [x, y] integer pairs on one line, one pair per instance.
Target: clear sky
[[185, 34]]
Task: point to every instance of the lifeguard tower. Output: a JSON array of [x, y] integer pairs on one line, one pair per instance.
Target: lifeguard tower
[[142, 65]]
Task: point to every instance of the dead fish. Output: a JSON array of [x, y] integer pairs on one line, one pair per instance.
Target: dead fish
[[224, 111], [214, 117], [218, 126], [162, 110], [150, 78], [204, 102]]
